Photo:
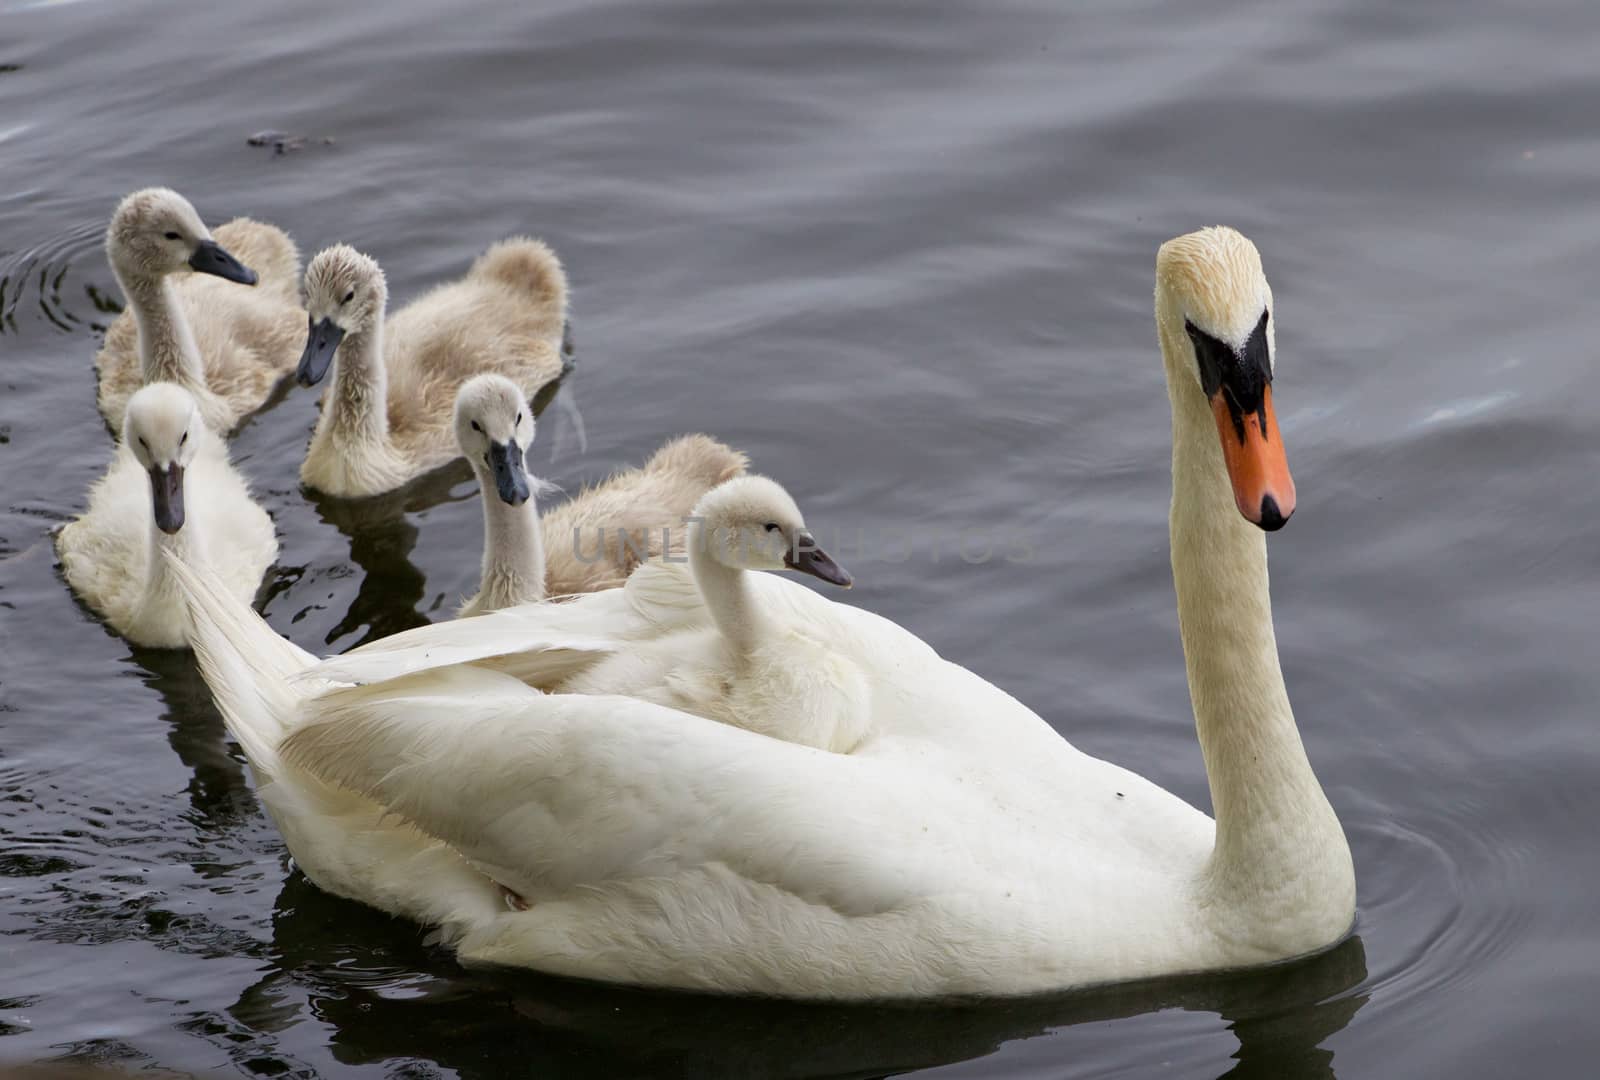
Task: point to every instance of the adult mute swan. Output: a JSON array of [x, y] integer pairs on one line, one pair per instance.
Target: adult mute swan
[[389, 414], [170, 488], [598, 537], [965, 848], [228, 346]]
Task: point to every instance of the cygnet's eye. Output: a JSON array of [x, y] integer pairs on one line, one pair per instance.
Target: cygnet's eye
[[349, 296], [184, 439], [174, 236], [143, 443], [476, 428], [771, 526], [519, 419]]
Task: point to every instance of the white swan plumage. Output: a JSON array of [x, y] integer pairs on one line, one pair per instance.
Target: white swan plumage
[[388, 416], [965, 848], [169, 488], [595, 539], [193, 317]]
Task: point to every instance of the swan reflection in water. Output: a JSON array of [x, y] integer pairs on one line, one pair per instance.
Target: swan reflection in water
[[389, 997]]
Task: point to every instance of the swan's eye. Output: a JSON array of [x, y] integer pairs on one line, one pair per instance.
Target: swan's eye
[[174, 236], [184, 439], [143, 443], [771, 526], [349, 296], [476, 428]]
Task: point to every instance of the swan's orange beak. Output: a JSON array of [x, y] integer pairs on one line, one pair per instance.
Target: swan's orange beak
[[1252, 447]]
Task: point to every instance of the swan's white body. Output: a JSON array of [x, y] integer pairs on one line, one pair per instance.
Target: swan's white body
[[111, 555], [963, 848], [228, 344], [387, 416]]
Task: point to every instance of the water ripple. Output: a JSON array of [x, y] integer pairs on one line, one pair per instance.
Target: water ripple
[[42, 284], [1439, 887]]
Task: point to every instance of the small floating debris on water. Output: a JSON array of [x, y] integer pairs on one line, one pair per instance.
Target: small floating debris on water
[[282, 142]]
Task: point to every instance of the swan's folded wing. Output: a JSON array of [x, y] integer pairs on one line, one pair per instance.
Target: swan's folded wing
[[536, 663], [538, 643], [543, 643], [552, 793], [663, 591]]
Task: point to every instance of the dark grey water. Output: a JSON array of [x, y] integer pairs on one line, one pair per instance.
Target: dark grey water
[[902, 253]]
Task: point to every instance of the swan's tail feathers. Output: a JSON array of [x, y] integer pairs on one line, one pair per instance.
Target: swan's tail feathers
[[529, 266], [245, 663], [699, 461]]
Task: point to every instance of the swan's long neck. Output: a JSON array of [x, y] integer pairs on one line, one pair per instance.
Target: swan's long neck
[[357, 408], [726, 590], [167, 349], [1277, 837], [513, 548]]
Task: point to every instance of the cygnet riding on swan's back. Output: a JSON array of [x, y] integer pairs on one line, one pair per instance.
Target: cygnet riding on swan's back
[[704, 643], [388, 417], [966, 848], [170, 488], [495, 427], [226, 344]]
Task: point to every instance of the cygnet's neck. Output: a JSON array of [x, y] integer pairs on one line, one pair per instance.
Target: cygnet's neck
[[167, 349], [726, 590], [513, 548], [357, 405]]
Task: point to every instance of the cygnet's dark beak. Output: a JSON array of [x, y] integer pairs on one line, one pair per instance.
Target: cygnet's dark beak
[[806, 557], [510, 472], [212, 258], [166, 496], [322, 341]]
